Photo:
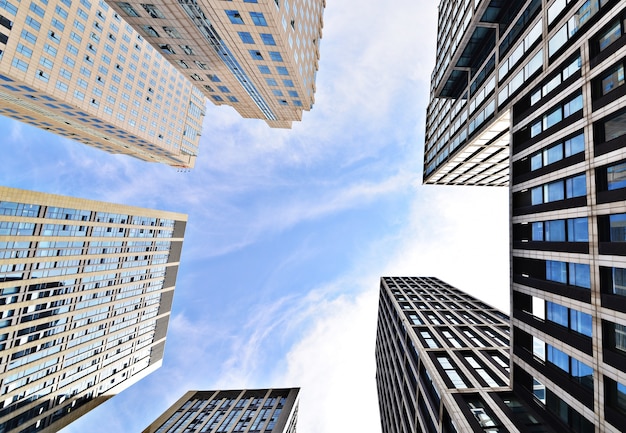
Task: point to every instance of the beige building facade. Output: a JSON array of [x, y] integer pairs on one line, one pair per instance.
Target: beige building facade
[[258, 56], [75, 68], [86, 291]]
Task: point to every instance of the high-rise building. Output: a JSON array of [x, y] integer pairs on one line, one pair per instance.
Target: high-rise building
[[442, 362], [531, 94], [75, 68], [86, 291], [258, 56], [249, 410]]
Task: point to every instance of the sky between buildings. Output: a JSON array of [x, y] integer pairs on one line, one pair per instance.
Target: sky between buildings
[[290, 230]]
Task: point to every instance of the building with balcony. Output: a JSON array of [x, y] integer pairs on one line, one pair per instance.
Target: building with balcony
[[86, 291]]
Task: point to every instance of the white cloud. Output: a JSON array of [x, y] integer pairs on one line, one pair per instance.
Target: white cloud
[[458, 235]]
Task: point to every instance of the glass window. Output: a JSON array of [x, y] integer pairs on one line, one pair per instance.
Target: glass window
[[128, 9], [615, 127], [552, 118], [267, 39], [558, 358], [618, 227], [234, 17], [575, 145], [537, 231], [275, 56], [255, 54], [556, 271], [553, 154], [258, 19], [555, 231], [619, 281], [576, 186], [536, 195], [580, 275], [557, 313], [577, 230], [613, 79], [616, 176], [246, 37], [553, 191], [451, 372], [610, 36], [265, 70], [580, 322]]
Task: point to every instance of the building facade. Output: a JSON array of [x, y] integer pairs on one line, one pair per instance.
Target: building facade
[[258, 56], [75, 68], [546, 80], [442, 362], [249, 410], [86, 291]]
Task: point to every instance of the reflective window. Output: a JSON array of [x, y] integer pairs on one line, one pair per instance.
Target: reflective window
[[616, 176], [559, 190], [618, 227], [258, 19], [574, 274], [234, 17], [452, 373]]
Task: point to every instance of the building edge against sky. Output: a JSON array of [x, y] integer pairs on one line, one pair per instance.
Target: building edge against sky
[[250, 410], [531, 94], [443, 364], [258, 56], [86, 289], [75, 68]]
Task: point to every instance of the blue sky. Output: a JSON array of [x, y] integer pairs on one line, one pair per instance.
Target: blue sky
[[290, 230]]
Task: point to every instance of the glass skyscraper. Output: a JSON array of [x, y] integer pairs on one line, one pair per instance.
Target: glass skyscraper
[[86, 290], [530, 94]]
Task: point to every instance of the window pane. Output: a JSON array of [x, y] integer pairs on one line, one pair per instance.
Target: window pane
[[580, 322], [575, 145], [619, 281], [614, 79], [554, 191], [556, 271], [552, 118], [553, 154], [536, 195], [580, 275], [555, 231], [577, 230], [537, 231], [615, 127], [610, 36], [558, 358], [576, 186], [618, 227], [535, 162], [557, 313], [616, 176]]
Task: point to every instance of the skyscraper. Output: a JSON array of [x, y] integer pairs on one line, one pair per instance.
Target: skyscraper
[[258, 56], [531, 94], [86, 290], [74, 67], [442, 362], [249, 410]]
